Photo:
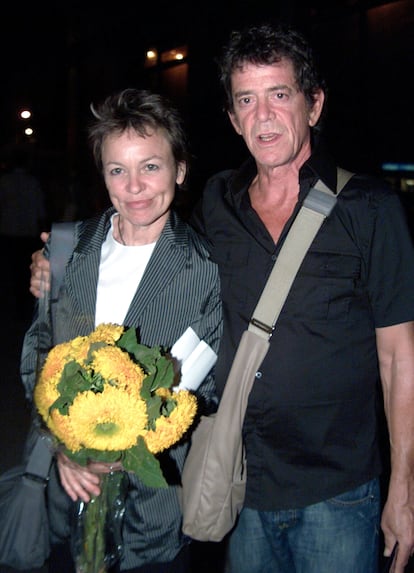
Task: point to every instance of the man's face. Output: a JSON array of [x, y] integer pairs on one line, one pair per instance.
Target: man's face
[[271, 115]]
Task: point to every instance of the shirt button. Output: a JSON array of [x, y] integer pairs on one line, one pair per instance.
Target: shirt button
[[258, 374]]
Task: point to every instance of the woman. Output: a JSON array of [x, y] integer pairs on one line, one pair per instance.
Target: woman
[[139, 265]]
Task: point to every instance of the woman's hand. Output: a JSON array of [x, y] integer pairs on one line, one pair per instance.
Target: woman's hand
[[81, 482]]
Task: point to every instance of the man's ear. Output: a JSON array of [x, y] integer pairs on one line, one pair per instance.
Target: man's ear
[[234, 122], [316, 110]]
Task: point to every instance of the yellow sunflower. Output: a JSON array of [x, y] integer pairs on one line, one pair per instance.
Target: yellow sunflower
[[45, 394], [98, 405], [61, 427], [168, 430], [108, 333], [115, 365], [55, 362], [79, 348], [108, 420]]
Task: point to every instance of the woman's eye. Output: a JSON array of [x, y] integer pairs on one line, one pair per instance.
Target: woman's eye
[[151, 167], [115, 171]]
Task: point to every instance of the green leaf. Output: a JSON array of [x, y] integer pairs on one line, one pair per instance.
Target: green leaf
[[80, 457], [62, 404], [164, 375], [144, 464], [167, 407], [74, 379], [128, 340], [153, 409], [86, 454], [158, 367], [146, 388], [147, 357], [92, 348], [97, 383]]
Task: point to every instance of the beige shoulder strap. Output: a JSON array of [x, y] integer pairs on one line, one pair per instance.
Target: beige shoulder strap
[[317, 206]]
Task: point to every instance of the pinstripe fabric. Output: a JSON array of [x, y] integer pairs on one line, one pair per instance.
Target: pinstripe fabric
[[180, 288]]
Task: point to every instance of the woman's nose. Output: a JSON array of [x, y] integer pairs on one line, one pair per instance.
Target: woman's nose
[[136, 183]]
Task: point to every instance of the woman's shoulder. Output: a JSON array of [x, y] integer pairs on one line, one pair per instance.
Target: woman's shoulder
[[189, 238], [92, 231]]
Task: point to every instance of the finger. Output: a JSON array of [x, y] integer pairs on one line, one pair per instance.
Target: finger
[[104, 468], [79, 484], [44, 236], [67, 486]]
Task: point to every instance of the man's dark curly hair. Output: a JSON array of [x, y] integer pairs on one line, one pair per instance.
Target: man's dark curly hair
[[266, 44]]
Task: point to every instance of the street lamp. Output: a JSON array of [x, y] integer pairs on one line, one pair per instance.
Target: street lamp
[[25, 114]]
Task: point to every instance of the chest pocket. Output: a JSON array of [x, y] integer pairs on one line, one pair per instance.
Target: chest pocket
[[328, 287], [233, 261]]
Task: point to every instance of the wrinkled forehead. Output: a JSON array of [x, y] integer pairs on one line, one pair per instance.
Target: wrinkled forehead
[[254, 74]]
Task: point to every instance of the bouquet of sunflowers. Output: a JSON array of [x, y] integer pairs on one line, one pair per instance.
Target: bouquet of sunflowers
[[107, 398]]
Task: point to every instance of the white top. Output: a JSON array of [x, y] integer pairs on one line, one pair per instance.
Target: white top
[[120, 272]]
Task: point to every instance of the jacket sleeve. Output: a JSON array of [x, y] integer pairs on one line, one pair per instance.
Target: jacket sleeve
[[209, 329], [36, 343]]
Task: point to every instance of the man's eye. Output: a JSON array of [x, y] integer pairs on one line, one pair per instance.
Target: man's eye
[[281, 95], [244, 101]]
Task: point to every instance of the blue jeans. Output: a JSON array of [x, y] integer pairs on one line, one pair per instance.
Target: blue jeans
[[338, 535]]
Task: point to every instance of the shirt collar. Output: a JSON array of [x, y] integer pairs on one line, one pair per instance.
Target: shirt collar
[[320, 165]]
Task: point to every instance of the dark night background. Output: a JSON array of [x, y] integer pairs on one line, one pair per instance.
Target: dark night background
[[58, 57]]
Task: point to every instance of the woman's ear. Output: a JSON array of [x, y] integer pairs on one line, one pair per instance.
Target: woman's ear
[[181, 172]]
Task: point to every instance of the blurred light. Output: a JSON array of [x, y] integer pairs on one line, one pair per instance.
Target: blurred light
[[25, 114], [407, 185], [28, 131], [175, 54], [151, 58], [398, 166]]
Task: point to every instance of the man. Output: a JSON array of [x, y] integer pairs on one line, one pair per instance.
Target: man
[[311, 428]]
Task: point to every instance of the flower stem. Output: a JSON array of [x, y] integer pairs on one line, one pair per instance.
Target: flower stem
[[101, 520]]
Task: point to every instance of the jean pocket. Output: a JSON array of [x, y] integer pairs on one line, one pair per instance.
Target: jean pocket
[[366, 493]]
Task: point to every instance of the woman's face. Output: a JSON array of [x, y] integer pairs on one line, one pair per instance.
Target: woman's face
[[140, 174]]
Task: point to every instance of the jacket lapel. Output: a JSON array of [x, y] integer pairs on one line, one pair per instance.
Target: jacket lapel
[[168, 259], [82, 279]]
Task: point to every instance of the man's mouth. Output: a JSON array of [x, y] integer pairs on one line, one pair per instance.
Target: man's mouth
[[268, 136]]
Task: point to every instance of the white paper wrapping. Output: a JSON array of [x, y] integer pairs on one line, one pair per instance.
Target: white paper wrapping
[[196, 358]]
